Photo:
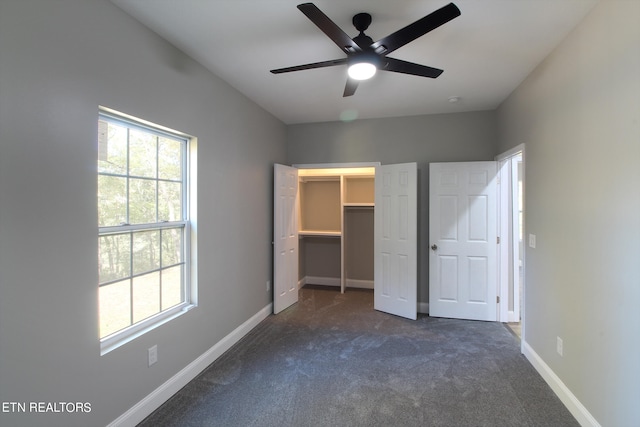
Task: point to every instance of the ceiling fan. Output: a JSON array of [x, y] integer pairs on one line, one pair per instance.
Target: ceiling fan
[[364, 56]]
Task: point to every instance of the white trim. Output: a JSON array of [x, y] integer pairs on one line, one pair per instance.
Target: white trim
[[136, 330], [577, 409], [322, 281], [508, 231], [361, 284], [423, 307], [156, 398], [506, 242], [335, 165], [141, 123], [516, 256], [510, 153], [335, 281]]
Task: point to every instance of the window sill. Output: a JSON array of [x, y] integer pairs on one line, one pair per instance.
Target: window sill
[[117, 340]]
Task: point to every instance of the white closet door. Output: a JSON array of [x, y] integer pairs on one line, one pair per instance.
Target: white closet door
[[463, 236], [285, 235], [396, 237]]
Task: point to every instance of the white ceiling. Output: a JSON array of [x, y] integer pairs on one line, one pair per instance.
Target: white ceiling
[[485, 53]]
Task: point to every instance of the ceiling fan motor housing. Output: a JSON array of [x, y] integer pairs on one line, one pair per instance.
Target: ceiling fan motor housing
[[361, 21]]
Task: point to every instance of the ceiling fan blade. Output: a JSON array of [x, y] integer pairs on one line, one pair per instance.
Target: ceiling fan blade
[[322, 64], [419, 28], [399, 66], [329, 27], [350, 87]]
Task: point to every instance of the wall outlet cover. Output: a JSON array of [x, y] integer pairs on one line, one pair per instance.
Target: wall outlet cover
[[152, 354]]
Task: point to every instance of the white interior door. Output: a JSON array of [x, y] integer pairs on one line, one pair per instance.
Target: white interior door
[[285, 235], [395, 241], [463, 237]]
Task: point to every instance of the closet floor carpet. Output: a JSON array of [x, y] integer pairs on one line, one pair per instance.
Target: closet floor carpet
[[332, 360]]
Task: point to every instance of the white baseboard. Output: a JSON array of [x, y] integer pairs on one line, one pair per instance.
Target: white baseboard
[[146, 406], [361, 284], [335, 281], [322, 281], [572, 403], [423, 307]]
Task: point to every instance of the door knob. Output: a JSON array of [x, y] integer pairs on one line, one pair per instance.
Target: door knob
[[434, 247]]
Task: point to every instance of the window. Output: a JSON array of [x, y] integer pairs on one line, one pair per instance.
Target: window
[[144, 229]]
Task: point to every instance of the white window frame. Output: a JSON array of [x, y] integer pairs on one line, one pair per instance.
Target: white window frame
[[127, 334]]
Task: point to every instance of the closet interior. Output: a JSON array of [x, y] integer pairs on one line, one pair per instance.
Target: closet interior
[[336, 227]]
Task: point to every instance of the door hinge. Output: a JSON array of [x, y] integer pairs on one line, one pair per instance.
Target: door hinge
[[498, 239], [498, 299]]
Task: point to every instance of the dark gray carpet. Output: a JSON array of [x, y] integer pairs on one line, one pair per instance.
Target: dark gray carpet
[[332, 360]]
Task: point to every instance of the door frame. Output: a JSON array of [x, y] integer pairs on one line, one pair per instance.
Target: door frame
[[510, 245]]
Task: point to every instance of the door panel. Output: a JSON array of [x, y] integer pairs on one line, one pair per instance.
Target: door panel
[[396, 210], [463, 234], [285, 234]]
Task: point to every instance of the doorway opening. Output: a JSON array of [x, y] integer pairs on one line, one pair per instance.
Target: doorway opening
[[305, 230], [511, 225]]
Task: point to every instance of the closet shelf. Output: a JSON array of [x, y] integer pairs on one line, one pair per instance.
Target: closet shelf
[[319, 233]]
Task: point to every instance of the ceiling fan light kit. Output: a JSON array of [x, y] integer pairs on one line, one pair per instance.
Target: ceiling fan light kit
[[365, 57], [361, 70], [363, 66]]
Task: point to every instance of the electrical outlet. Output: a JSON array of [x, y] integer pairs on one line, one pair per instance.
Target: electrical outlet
[[559, 345], [268, 285], [152, 352], [532, 241]]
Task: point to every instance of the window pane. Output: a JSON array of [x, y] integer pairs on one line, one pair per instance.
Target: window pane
[[146, 296], [142, 201], [171, 246], [115, 307], [142, 153], [169, 159], [146, 251], [169, 201], [112, 200], [112, 146], [172, 287], [114, 257]]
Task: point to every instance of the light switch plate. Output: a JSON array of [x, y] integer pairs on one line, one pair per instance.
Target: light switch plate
[[532, 241], [559, 346]]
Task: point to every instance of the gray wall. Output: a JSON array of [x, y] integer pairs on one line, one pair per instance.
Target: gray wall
[[59, 60], [578, 115], [420, 139]]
